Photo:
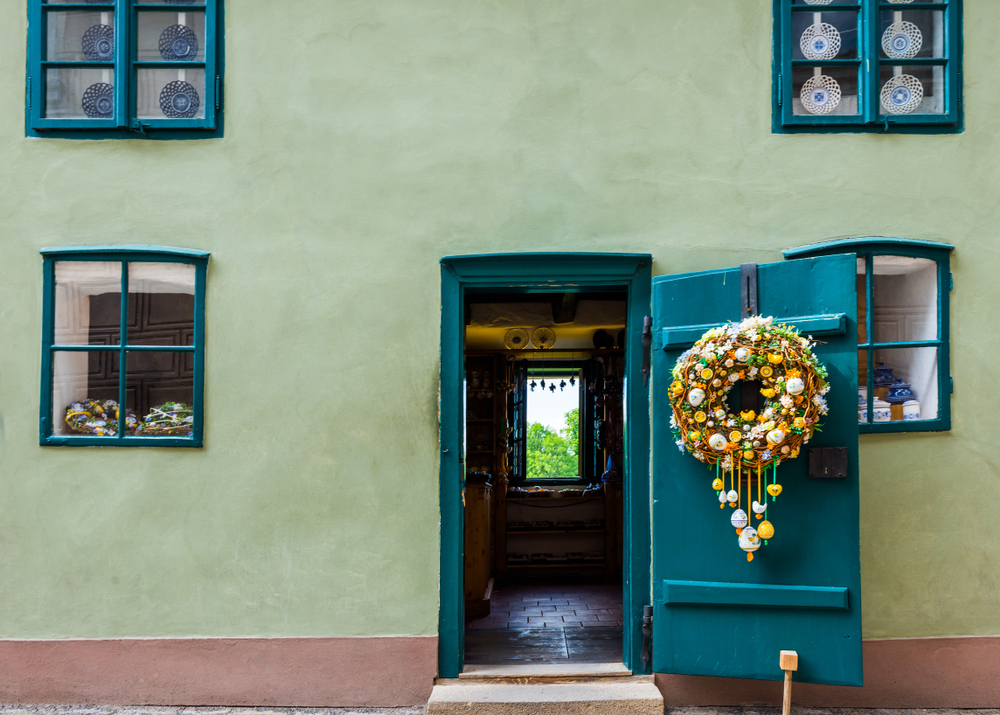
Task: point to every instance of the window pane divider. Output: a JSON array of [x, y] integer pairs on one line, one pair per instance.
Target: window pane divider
[[130, 348], [123, 355], [901, 344]]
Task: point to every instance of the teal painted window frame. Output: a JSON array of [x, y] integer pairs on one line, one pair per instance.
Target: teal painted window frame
[[867, 249], [868, 62], [125, 124], [123, 255], [543, 273]]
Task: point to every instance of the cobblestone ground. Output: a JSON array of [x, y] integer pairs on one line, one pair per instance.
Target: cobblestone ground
[[421, 710], [149, 710]]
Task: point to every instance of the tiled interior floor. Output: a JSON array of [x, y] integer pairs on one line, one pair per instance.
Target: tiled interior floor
[[558, 606], [548, 624]]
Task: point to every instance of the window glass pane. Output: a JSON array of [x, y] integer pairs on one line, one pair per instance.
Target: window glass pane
[[161, 304], [906, 384], [863, 415], [819, 3], [160, 391], [824, 90], [171, 93], [906, 299], [824, 35], [911, 89], [79, 93], [170, 2], [553, 429], [913, 33], [88, 302], [171, 36], [85, 393], [80, 36]]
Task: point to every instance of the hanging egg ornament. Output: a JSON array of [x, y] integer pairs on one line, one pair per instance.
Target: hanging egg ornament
[[696, 396], [723, 499], [794, 385], [717, 442], [774, 489], [775, 437], [749, 541], [758, 508], [732, 497], [739, 519], [742, 354], [717, 484], [765, 530]]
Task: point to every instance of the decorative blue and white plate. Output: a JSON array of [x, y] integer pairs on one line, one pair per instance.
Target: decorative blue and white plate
[[820, 42], [99, 43], [178, 43], [902, 40], [818, 2], [902, 94], [99, 101], [820, 94], [179, 100]]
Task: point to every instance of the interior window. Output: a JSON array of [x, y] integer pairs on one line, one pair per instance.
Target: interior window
[[553, 424]]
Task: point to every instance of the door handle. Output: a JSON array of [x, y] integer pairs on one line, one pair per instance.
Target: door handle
[[647, 342]]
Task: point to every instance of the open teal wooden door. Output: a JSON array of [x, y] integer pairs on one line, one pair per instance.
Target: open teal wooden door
[[716, 613]]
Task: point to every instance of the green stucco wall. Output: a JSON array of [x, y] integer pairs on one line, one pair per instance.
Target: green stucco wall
[[364, 140]]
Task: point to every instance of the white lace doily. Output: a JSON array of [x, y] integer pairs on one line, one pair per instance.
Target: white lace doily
[[902, 94], [818, 2], [902, 40], [900, 2], [820, 94], [820, 42]]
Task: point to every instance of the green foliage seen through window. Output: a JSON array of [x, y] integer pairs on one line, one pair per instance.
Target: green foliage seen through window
[[554, 455]]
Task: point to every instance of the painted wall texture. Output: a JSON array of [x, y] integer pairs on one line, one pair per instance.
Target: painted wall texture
[[365, 140]]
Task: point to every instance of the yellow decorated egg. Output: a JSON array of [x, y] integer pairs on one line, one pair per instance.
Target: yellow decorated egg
[[717, 484], [694, 435], [765, 529], [748, 455], [799, 423], [774, 489]]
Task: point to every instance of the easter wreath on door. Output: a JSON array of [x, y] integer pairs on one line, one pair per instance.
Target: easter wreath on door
[[748, 446]]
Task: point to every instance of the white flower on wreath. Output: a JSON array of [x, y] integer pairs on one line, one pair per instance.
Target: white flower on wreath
[[787, 401], [673, 421], [825, 389], [732, 422], [820, 403], [752, 372], [766, 454], [680, 445]]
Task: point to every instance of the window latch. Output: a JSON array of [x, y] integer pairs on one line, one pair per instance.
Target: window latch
[[139, 127]]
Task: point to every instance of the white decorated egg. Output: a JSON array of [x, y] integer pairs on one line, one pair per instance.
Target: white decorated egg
[[718, 442], [795, 386], [749, 541], [742, 354], [758, 508], [732, 496], [696, 396], [775, 437], [739, 519]]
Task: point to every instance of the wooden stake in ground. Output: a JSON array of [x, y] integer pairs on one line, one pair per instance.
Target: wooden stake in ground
[[789, 661]]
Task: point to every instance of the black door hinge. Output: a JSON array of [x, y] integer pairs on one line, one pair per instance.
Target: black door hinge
[[647, 632]]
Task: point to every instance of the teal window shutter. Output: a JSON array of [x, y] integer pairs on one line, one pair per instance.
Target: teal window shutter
[[124, 69], [867, 66], [123, 346], [903, 331]]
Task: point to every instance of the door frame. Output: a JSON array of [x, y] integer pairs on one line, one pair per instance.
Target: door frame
[[535, 273]]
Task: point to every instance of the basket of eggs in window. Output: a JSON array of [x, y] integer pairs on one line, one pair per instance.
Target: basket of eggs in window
[[100, 418]]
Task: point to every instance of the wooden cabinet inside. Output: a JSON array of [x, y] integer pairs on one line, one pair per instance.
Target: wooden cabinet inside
[[478, 552]]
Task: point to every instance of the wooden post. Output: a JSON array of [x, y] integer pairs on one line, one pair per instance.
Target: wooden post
[[789, 661]]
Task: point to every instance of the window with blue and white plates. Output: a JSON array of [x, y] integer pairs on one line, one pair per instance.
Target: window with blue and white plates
[[867, 66], [124, 68]]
